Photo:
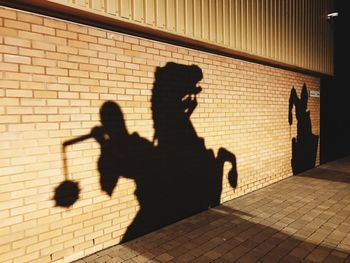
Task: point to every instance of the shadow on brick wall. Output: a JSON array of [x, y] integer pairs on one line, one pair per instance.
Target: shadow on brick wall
[[175, 175], [304, 145]]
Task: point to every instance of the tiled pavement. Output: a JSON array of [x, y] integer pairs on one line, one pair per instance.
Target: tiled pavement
[[305, 218]]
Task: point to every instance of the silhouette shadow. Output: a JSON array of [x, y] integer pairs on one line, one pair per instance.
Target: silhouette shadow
[[304, 146], [175, 175]]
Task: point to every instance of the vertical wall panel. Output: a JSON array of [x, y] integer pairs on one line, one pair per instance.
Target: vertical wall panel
[[160, 13], [226, 22], [254, 17], [294, 32], [112, 7], [219, 21], [244, 25], [82, 3], [97, 5], [197, 13], [180, 16], [232, 23], [189, 17], [138, 10], [150, 12], [125, 8], [268, 35], [249, 25], [212, 21], [263, 28], [170, 15], [205, 20]]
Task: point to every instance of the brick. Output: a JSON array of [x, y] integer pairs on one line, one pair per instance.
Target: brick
[[13, 41], [30, 35], [57, 102], [31, 52], [8, 32], [67, 49], [43, 29], [96, 32], [8, 84], [51, 249], [27, 257], [33, 19], [9, 67], [16, 24], [38, 246], [18, 76], [36, 214], [68, 65], [19, 228], [20, 127], [44, 78], [44, 62], [78, 73], [77, 28], [19, 110], [7, 13], [68, 95], [17, 59], [24, 242], [55, 40], [88, 67], [88, 53], [47, 126], [11, 221], [14, 253], [98, 75], [32, 69], [66, 34], [78, 44], [8, 49], [54, 23], [57, 56], [45, 94], [57, 71], [80, 59], [34, 118], [43, 46], [18, 93]]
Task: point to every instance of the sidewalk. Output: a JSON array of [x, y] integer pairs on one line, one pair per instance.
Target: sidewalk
[[304, 218]]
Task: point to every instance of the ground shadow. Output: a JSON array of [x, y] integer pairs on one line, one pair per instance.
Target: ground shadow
[[336, 171], [225, 235], [304, 145], [175, 175], [296, 220]]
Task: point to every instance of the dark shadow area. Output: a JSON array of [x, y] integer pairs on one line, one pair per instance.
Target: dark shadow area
[[335, 91], [304, 146], [225, 235], [295, 220], [175, 175], [338, 171]]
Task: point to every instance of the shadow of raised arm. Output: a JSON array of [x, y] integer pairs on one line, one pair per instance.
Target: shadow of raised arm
[[226, 156]]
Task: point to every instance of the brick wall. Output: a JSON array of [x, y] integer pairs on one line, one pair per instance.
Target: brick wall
[[55, 75]]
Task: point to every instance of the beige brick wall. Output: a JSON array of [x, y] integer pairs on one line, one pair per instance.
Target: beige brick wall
[[54, 77]]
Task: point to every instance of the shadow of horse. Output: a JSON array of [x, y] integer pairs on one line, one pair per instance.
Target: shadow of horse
[[175, 175]]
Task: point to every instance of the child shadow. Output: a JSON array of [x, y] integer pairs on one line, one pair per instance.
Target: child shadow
[[304, 145]]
